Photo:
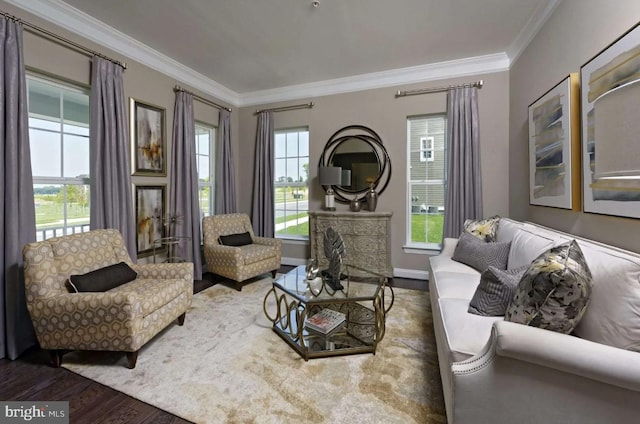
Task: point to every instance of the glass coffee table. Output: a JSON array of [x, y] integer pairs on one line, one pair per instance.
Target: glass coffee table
[[364, 301]]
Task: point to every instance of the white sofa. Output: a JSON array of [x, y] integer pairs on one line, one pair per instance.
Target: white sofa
[[495, 371]]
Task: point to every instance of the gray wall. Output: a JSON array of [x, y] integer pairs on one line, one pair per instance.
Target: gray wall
[[140, 81], [577, 31], [379, 110]]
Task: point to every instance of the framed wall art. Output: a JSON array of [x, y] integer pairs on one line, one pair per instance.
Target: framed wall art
[[148, 140], [150, 212], [610, 96], [554, 146]]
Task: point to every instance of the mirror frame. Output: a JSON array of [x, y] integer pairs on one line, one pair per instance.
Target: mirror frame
[[369, 136]]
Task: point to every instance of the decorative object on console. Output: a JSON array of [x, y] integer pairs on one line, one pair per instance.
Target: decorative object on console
[[334, 251], [371, 198], [328, 176], [355, 204], [480, 255], [484, 229], [312, 269], [554, 146], [554, 291], [610, 88], [357, 150]]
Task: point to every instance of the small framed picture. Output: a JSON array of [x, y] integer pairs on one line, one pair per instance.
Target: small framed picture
[[148, 140], [150, 212]]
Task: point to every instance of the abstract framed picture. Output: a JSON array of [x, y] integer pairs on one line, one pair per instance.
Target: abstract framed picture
[[148, 141], [150, 212], [554, 146], [610, 97]]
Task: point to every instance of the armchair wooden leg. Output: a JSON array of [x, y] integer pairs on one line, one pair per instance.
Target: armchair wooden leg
[[273, 273], [56, 358], [181, 319], [132, 358]]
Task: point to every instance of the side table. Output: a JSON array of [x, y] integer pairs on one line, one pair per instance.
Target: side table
[[172, 244]]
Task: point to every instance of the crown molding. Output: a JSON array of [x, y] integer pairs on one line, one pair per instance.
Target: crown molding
[[432, 72], [78, 22], [531, 28]]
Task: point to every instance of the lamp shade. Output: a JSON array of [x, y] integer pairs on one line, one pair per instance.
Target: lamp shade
[[330, 175]]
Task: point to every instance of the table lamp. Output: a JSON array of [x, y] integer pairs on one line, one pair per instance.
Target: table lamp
[[329, 176]]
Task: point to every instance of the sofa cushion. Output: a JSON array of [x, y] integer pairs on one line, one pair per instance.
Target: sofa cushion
[[103, 279], [252, 253], [454, 284], [466, 333], [527, 246], [554, 291], [153, 294], [446, 263], [241, 239], [484, 229], [507, 229], [474, 252], [495, 291], [613, 315]]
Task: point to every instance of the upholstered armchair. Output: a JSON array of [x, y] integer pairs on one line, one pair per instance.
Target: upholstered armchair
[[120, 319], [239, 261]]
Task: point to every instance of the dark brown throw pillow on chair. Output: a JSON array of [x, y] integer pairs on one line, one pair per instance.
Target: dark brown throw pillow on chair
[[102, 279], [241, 239]]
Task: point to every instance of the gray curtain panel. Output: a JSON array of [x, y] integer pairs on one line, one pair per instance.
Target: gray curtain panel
[[18, 226], [263, 201], [111, 198], [225, 176], [183, 184], [463, 198]]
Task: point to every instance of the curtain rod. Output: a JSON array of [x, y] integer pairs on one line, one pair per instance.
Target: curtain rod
[[478, 84], [41, 31], [201, 99], [283, 108]]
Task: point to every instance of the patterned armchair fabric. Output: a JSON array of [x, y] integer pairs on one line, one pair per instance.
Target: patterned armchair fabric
[[121, 319], [242, 262]]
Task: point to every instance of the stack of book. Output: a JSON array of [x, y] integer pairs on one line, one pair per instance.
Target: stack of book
[[325, 322]]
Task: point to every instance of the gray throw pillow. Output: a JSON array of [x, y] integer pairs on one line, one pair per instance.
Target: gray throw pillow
[[479, 255], [495, 291], [554, 291]]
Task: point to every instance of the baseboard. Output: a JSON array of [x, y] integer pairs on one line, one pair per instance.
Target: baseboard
[[293, 261], [411, 273]]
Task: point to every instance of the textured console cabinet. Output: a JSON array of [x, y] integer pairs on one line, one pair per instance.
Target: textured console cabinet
[[366, 235]]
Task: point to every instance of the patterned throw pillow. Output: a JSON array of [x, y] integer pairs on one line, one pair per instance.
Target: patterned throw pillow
[[495, 291], [554, 292], [484, 229], [479, 255]]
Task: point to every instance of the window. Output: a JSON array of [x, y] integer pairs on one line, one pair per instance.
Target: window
[[426, 147], [205, 156], [291, 185], [59, 141]]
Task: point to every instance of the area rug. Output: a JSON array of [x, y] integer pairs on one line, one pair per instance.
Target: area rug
[[226, 365]]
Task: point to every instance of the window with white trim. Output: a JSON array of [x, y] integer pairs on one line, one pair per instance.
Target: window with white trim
[[59, 143], [426, 148], [205, 157], [291, 183]]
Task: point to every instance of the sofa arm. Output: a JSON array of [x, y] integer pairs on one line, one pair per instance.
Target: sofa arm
[[449, 246], [177, 271], [561, 352], [268, 241]]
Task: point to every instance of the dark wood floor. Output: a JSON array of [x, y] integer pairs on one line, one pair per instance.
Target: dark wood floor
[[30, 378]]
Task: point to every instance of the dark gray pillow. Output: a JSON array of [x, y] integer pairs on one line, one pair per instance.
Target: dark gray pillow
[[474, 252], [495, 291], [103, 279], [241, 239]]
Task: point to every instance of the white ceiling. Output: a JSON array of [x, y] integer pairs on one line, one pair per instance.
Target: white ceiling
[[247, 48]]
